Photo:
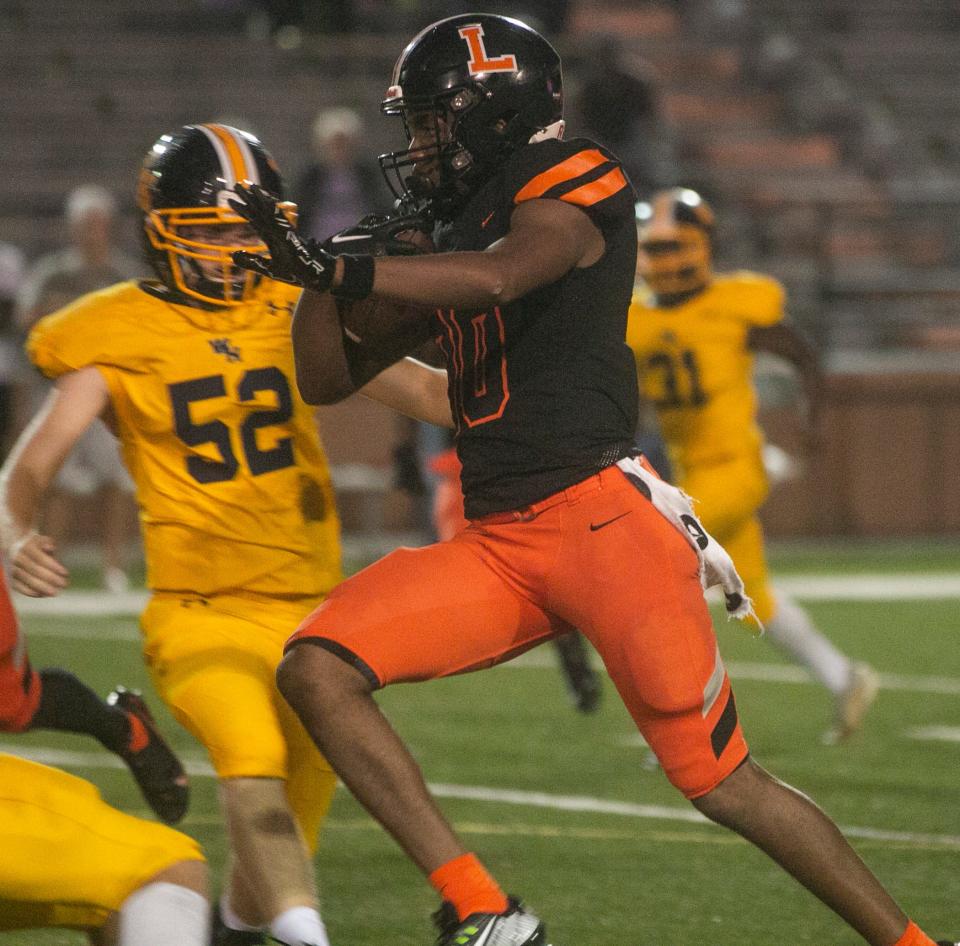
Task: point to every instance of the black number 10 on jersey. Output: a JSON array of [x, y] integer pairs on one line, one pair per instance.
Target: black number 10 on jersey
[[185, 393], [473, 345]]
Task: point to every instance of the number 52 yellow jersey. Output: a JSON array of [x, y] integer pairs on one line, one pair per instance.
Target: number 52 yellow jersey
[[695, 367], [232, 482]]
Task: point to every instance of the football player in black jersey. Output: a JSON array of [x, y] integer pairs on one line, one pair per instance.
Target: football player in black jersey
[[528, 299]]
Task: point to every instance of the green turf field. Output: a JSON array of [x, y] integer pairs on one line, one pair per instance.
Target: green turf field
[[640, 872]]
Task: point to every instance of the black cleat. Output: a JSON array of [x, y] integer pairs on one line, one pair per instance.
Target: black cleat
[[223, 935], [583, 682], [946, 942], [153, 764], [516, 927]]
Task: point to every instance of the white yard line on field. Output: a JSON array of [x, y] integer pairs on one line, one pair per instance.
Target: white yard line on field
[[871, 587], [93, 603], [935, 733], [200, 768]]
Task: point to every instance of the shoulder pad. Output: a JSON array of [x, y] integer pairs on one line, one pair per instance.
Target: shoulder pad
[[578, 172]]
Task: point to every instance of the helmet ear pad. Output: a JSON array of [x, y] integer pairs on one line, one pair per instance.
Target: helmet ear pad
[[490, 139]]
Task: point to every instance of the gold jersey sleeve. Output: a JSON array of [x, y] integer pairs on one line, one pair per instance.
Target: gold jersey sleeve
[[694, 366], [232, 482]]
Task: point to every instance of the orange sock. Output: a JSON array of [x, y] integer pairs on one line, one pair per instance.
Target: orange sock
[[914, 936], [465, 883]]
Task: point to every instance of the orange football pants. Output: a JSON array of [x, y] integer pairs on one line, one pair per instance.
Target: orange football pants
[[596, 556], [19, 684]]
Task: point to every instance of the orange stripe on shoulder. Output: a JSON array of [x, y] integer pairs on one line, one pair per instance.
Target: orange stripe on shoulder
[[572, 167], [595, 191]]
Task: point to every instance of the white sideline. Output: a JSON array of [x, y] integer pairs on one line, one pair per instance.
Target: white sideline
[[895, 586], [200, 768], [85, 604], [872, 587]]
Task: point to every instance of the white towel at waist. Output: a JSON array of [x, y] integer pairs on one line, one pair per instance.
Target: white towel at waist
[[716, 566]]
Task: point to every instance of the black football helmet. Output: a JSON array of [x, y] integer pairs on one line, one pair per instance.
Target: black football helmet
[[185, 183], [488, 85], [674, 253]]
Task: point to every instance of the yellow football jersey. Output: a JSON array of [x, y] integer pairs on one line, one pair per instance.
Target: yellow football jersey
[[69, 859], [695, 368], [232, 482]]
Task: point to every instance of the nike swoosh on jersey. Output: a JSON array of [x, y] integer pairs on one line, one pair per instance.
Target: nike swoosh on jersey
[[599, 525]]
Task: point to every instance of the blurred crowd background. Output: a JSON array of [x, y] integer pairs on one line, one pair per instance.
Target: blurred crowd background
[[826, 135]]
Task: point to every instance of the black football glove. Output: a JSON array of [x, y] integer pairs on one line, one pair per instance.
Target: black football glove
[[377, 235], [292, 259]]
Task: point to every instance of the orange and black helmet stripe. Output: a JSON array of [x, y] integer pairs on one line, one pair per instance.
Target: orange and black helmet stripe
[[236, 159]]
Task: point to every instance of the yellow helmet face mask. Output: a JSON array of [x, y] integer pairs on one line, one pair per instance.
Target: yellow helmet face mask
[[674, 251], [188, 236]]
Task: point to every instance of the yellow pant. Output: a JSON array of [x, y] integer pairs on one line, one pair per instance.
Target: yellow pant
[[68, 858], [213, 661], [727, 496]]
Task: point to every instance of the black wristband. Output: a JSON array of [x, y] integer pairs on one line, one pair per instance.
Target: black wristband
[[357, 282]]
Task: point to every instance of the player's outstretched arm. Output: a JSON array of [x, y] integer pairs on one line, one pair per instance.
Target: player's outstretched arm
[[77, 400], [547, 238], [786, 341], [339, 346], [322, 369], [410, 387]]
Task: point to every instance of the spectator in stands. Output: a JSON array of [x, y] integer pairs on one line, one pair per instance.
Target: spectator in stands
[[339, 187], [91, 261], [12, 368], [620, 107], [282, 13]]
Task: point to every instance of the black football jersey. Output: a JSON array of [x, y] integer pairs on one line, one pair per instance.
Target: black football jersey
[[544, 389]]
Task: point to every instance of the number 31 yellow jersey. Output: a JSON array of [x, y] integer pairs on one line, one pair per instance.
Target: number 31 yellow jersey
[[695, 367], [232, 482]]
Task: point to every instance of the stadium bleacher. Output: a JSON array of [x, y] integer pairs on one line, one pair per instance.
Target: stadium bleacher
[[849, 197]]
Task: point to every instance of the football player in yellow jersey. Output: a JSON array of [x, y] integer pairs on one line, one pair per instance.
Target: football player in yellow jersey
[[195, 374], [694, 334], [69, 859]]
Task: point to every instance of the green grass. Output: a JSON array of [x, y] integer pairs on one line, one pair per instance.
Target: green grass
[[865, 555], [613, 880]]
